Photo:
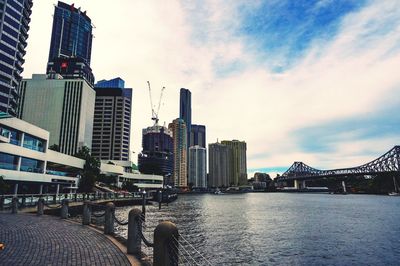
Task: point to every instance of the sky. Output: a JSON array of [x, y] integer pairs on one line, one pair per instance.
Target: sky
[[307, 80]]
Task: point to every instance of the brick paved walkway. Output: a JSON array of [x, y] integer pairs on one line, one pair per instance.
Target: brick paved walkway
[[48, 240]]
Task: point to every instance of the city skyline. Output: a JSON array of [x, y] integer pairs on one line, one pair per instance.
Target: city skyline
[[313, 89]]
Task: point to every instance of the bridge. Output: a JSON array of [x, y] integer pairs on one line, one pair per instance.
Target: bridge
[[387, 163]]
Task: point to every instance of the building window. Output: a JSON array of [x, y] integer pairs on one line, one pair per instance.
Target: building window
[[31, 165], [8, 161], [12, 134], [33, 143]]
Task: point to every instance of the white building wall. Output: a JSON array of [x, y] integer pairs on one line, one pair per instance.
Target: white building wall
[[45, 104]]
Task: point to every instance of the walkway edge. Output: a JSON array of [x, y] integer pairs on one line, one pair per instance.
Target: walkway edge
[[132, 259]]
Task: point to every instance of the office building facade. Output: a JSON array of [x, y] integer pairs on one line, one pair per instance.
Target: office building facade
[[71, 43], [64, 107], [112, 120], [179, 135], [14, 26], [185, 109], [197, 167], [198, 136], [219, 165], [28, 165], [237, 161]]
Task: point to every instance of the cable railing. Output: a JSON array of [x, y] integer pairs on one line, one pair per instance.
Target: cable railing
[[31, 200]]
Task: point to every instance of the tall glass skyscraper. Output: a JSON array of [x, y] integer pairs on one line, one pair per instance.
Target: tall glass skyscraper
[[185, 109], [14, 26], [71, 43], [198, 136]]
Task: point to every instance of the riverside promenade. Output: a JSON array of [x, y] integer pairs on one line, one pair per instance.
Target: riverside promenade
[[47, 240]]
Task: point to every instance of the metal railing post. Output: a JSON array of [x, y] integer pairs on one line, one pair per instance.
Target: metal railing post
[[2, 203], [14, 205], [159, 199], [166, 238], [134, 243], [144, 203], [64, 209], [23, 204], [40, 206], [109, 219], [86, 217]]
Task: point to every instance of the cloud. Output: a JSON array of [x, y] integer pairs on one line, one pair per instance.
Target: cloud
[[280, 85]]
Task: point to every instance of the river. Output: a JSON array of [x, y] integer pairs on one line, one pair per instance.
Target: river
[[284, 228]]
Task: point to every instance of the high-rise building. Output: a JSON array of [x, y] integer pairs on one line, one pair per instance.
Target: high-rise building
[[14, 26], [157, 154], [197, 167], [64, 107], [218, 163], [179, 135], [185, 109], [238, 164], [198, 136], [112, 120], [71, 43]]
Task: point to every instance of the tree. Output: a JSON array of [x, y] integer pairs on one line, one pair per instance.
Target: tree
[[54, 147], [4, 187], [129, 186], [91, 170]]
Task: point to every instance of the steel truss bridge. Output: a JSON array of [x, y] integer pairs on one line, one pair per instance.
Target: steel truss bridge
[[387, 163]]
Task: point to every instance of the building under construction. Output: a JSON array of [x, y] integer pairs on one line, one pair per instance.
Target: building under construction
[[157, 154]]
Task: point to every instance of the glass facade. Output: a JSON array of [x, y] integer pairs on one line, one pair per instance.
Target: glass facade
[[8, 161], [185, 109], [71, 43], [31, 165], [12, 134], [198, 136], [34, 143], [29, 141], [14, 25], [61, 170]]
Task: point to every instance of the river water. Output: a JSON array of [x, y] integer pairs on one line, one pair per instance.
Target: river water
[[284, 228]]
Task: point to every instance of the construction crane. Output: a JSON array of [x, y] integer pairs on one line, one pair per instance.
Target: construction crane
[[154, 114]]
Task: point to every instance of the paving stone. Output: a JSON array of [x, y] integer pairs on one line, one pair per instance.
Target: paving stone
[[48, 240]]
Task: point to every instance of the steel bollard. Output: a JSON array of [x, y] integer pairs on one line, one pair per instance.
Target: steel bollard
[[14, 205], [40, 206], [109, 219], [86, 217], [64, 209], [166, 238], [134, 243]]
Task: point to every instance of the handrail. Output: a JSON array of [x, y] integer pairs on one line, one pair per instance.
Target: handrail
[[30, 200]]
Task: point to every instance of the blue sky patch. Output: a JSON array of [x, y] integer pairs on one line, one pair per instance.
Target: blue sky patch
[[282, 31]]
